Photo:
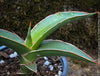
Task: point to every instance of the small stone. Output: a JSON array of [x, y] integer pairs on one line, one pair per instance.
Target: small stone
[[59, 73], [8, 73], [51, 67], [13, 55], [46, 63], [55, 64], [2, 61], [45, 58]]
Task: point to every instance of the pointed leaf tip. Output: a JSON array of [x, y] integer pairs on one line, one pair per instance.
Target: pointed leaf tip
[[30, 24], [96, 63], [36, 72], [97, 12]]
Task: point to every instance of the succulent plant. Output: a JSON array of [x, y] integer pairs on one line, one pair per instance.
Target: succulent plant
[[35, 45]]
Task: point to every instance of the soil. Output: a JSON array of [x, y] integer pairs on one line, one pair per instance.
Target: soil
[[75, 67], [45, 69], [11, 65]]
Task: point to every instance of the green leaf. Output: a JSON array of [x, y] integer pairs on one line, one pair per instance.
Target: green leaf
[[28, 40], [13, 41], [58, 48], [53, 22], [11, 36], [28, 69], [32, 67]]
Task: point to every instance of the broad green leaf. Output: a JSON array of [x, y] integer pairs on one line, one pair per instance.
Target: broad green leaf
[[32, 67], [27, 69], [53, 22], [28, 40], [11, 36], [13, 41], [58, 48]]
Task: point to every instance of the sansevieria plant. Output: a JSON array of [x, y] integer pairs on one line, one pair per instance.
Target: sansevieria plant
[[34, 46]]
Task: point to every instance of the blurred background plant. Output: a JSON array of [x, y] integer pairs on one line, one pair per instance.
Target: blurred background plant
[[15, 15]]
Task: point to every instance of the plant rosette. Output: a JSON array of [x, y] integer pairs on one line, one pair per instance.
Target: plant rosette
[[35, 45]]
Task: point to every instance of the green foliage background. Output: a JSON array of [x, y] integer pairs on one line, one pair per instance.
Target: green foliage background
[[15, 16]]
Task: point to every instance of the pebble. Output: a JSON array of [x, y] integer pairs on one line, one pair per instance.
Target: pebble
[[8, 73], [55, 64], [46, 63], [45, 58], [13, 55], [59, 73], [51, 67], [2, 61]]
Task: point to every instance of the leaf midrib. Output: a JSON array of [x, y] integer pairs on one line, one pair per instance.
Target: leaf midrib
[[51, 28]]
